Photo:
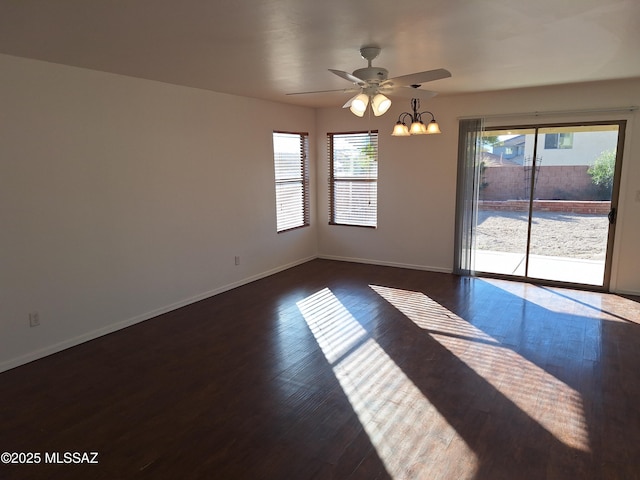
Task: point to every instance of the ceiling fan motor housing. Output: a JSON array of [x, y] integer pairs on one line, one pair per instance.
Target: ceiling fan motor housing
[[372, 74]]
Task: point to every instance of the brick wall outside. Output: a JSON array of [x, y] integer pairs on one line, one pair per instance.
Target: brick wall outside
[[553, 183], [564, 206]]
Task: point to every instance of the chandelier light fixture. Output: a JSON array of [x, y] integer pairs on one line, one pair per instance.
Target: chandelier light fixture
[[417, 125]]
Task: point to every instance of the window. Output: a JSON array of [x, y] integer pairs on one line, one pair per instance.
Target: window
[[353, 178], [558, 140], [290, 152]]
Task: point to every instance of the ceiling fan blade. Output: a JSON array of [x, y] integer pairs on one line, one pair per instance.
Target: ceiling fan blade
[[347, 76], [340, 90], [419, 77], [410, 92]]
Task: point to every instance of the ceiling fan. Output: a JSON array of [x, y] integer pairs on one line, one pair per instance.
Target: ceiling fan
[[372, 86]]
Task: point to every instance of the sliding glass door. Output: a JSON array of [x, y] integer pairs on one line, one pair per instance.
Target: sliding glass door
[[544, 201]]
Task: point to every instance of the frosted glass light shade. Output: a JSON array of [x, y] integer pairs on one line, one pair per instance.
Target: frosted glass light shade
[[359, 104], [400, 130], [380, 104], [433, 127], [417, 128]]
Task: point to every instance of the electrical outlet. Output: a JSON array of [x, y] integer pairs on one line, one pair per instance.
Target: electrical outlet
[[34, 319], [237, 260]]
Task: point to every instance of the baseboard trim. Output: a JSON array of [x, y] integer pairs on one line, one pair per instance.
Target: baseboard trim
[[114, 327], [626, 292], [382, 263]]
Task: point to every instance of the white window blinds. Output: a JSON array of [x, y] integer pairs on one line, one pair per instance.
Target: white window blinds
[[290, 151], [353, 178]]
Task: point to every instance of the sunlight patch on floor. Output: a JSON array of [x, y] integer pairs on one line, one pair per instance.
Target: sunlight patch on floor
[[573, 302], [407, 431], [556, 406]]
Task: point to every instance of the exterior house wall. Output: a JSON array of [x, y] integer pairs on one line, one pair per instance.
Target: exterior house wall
[[587, 146]]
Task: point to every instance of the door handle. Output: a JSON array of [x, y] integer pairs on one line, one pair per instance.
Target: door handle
[[612, 216]]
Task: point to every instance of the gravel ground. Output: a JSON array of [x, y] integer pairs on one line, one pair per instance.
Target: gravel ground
[[552, 233]]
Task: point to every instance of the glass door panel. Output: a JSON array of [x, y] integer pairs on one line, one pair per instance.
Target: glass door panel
[[503, 201], [573, 187]]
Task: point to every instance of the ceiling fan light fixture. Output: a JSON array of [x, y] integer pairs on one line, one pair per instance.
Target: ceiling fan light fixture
[[380, 104], [359, 104], [370, 81]]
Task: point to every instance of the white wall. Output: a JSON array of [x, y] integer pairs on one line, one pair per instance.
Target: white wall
[[122, 198], [415, 224], [417, 175]]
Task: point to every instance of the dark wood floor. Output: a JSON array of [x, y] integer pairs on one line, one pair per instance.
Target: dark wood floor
[[346, 371]]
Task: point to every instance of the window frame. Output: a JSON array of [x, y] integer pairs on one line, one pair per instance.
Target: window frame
[[337, 179], [559, 143], [303, 180]]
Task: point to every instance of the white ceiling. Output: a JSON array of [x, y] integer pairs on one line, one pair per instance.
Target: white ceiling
[[267, 48]]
